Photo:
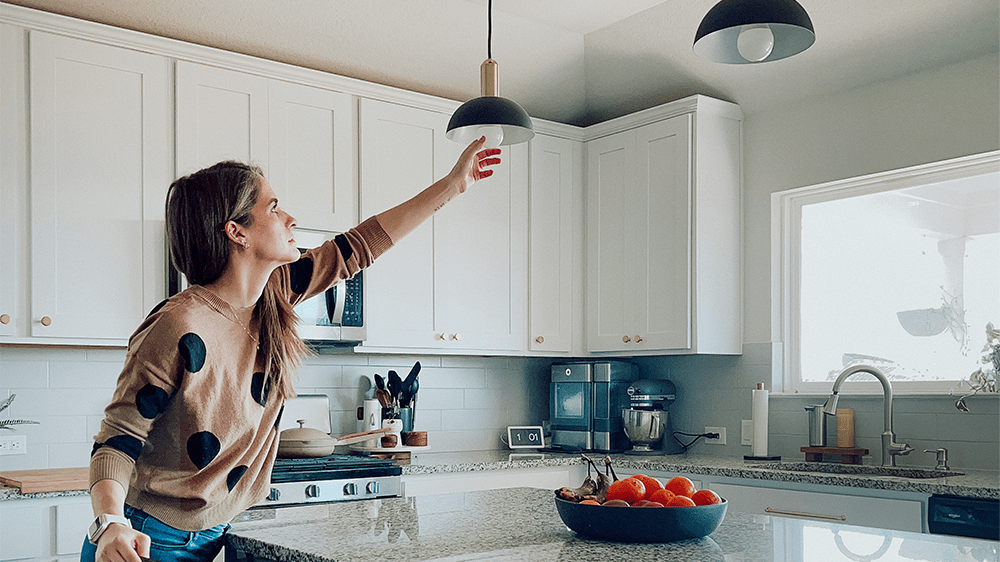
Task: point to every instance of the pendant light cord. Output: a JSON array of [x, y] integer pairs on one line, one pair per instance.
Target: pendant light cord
[[489, 30]]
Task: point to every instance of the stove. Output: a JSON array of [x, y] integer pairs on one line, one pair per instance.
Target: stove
[[332, 478]]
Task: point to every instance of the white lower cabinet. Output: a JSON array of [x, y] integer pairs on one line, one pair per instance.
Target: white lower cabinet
[[45, 529], [831, 506]]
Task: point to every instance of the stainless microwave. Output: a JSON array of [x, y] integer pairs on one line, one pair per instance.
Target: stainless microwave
[[335, 317]]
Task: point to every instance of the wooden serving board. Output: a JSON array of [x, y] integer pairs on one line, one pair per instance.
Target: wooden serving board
[[47, 480]]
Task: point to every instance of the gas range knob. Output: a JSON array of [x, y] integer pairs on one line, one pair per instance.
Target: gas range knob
[[312, 491], [273, 495], [372, 487], [350, 489]]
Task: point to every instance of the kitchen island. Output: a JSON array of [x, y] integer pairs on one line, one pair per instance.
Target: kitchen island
[[522, 524]]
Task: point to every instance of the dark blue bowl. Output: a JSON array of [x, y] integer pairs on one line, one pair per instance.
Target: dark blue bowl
[[641, 524]]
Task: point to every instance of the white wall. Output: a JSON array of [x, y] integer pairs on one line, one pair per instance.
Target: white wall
[[927, 117]]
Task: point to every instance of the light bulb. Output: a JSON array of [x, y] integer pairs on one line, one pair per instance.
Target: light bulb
[[755, 42], [493, 134]]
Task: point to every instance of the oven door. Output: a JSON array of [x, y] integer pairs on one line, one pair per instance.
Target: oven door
[[336, 316]]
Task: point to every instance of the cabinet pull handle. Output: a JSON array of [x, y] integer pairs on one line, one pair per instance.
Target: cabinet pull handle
[[626, 339], [804, 514], [539, 339], [46, 321], [4, 318], [638, 339]]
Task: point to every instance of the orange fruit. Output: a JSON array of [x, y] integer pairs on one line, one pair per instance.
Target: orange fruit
[[662, 496], [652, 484], [681, 486], [630, 490], [589, 502], [706, 497], [680, 501]]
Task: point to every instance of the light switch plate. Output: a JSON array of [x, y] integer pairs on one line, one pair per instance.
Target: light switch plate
[[746, 435]]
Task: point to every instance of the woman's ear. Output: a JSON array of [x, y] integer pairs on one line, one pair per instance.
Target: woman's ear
[[235, 234]]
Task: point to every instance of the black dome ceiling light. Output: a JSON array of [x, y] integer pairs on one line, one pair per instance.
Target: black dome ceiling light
[[753, 31], [501, 120]]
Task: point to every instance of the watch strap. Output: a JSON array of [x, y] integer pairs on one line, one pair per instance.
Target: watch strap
[[102, 523]]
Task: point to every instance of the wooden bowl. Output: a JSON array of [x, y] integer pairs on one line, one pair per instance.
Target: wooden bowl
[[389, 441], [415, 438]]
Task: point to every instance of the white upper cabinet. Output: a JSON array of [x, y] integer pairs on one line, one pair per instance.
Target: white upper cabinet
[[553, 268], [100, 166], [13, 179], [663, 237], [457, 282], [302, 137]]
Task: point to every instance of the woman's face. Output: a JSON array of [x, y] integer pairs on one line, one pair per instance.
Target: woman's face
[[270, 236]]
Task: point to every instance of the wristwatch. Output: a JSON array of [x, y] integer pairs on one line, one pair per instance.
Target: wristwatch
[[102, 523]]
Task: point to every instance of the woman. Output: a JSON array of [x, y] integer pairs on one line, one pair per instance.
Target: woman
[[191, 433]]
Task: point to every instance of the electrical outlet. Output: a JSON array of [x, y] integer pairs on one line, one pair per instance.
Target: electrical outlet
[[13, 445], [746, 435], [722, 435]]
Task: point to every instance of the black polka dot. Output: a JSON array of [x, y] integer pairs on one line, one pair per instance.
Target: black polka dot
[[192, 349], [202, 447], [234, 476], [346, 251], [301, 272], [157, 308], [277, 421], [124, 443], [260, 387], [151, 401]]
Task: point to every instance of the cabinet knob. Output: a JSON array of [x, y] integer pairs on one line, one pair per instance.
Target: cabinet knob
[[456, 336], [539, 339], [638, 339], [439, 336], [626, 339], [4, 318], [46, 321]]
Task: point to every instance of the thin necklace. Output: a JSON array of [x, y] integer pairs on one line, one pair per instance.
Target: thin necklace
[[233, 319]]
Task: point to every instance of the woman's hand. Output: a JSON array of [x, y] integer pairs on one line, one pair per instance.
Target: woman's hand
[[119, 543], [474, 164]]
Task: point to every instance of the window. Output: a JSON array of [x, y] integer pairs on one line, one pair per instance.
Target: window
[[899, 270]]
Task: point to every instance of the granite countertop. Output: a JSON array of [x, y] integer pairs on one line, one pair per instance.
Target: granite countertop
[[971, 483], [523, 524]]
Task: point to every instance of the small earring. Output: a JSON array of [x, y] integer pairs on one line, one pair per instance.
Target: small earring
[[246, 245]]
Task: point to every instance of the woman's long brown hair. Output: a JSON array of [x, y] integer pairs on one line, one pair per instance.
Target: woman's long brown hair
[[198, 207]]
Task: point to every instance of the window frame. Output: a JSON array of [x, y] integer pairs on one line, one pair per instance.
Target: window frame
[[786, 215]]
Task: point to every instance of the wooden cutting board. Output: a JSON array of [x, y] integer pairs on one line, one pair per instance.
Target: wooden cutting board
[[47, 480]]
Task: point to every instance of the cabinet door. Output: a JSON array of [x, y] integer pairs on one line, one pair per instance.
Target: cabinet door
[[397, 161], [312, 155], [221, 115], [551, 274], [100, 166], [13, 179], [610, 233], [662, 236], [457, 281]]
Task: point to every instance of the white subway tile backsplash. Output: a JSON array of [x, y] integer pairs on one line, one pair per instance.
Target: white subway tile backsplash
[[24, 374], [84, 374], [453, 377], [440, 398]]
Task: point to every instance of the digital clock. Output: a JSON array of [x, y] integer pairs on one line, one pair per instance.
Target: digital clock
[[525, 437]]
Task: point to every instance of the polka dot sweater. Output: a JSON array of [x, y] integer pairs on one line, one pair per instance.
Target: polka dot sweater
[[192, 428]]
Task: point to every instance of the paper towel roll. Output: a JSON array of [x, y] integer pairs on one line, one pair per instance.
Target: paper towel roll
[[759, 415]]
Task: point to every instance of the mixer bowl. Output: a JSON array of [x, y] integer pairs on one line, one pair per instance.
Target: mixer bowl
[[643, 427]]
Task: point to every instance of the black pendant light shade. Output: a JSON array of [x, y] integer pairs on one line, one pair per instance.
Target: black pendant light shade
[[501, 120], [490, 115], [753, 31]]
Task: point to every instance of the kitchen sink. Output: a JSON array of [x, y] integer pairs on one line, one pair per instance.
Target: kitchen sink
[[862, 470]]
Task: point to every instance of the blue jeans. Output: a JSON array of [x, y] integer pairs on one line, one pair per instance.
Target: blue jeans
[[167, 543]]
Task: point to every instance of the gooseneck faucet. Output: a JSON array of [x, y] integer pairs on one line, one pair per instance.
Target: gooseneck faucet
[[889, 446]]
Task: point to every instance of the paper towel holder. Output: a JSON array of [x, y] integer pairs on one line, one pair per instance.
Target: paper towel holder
[[761, 458]]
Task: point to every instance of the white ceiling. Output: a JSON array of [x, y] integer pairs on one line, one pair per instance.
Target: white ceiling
[[571, 61]]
